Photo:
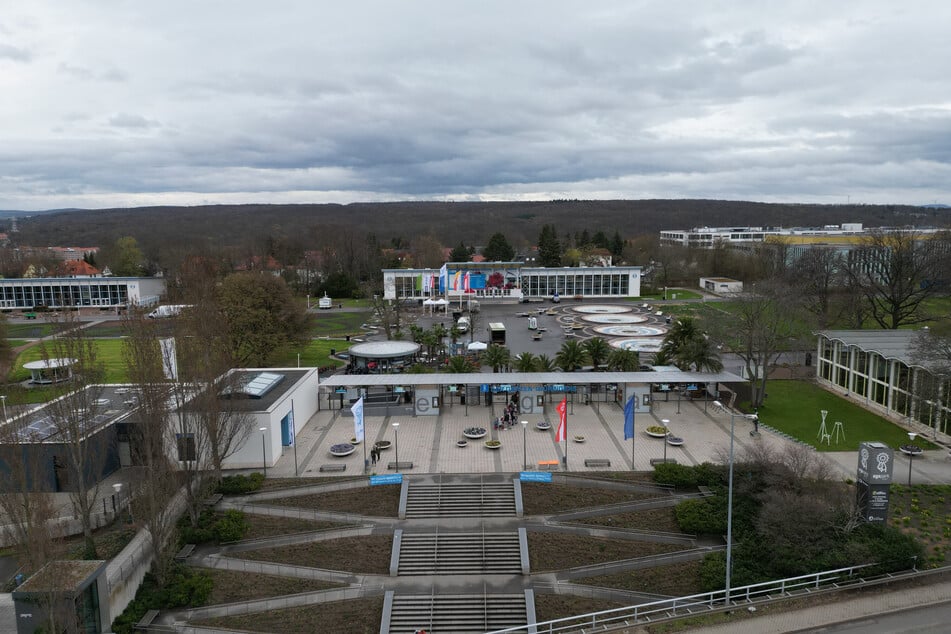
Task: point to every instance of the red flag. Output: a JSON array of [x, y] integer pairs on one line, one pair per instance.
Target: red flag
[[562, 432]]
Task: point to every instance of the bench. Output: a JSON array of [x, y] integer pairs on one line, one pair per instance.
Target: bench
[[332, 467], [185, 552], [146, 620], [597, 462], [547, 465], [399, 465]]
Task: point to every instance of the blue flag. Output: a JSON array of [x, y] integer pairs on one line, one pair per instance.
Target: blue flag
[[629, 418]]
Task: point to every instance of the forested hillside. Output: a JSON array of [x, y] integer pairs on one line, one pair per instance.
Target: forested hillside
[[310, 226]]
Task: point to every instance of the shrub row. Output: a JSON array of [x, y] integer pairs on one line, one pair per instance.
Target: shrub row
[[185, 587], [240, 484], [228, 527], [688, 476]]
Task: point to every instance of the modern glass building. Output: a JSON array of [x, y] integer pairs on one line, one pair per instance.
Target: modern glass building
[[878, 367], [62, 292], [511, 279]]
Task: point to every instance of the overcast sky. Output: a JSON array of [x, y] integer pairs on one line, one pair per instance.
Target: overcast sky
[[123, 102]]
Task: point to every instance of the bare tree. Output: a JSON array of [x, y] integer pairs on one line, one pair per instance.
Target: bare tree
[[150, 436], [207, 427], [74, 417], [389, 312], [762, 324], [896, 271], [27, 510], [818, 275]]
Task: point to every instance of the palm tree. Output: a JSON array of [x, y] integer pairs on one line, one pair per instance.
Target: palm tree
[[571, 356], [525, 362], [460, 365], [623, 360], [544, 363], [597, 350], [701, 355], [439, 333], [677, 340], [497, 357]]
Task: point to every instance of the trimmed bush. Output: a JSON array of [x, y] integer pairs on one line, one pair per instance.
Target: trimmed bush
[[688, 476], [185, 588], [229, 527], [700, 517], [240, 484]]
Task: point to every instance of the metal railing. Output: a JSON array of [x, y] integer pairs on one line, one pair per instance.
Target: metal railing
[[682, 606]]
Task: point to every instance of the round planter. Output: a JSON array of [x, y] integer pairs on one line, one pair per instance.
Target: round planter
[[578, 438], [675, 441], [341, 450], [910, 450], [493, 444], [543, 425], [474, 432], [655, 434], [382, 445], [462, 443], [354, 441]]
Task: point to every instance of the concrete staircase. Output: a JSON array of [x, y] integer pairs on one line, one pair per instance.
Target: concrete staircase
[[459, 554], [476, 499], [460, 614]]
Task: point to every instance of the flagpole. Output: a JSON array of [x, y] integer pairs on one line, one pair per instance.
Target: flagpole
[[633, 415]]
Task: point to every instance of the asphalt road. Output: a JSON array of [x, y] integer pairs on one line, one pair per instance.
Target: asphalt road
[[934, 619]]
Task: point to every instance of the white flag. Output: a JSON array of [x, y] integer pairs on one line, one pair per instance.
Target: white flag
[[357, 410]]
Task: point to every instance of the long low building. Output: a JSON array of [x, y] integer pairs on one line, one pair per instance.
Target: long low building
[[878, 367], [66, 292], [477, 280], [426, 394]]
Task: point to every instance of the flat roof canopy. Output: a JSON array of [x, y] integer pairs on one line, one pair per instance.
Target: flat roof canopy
[[529, 378]]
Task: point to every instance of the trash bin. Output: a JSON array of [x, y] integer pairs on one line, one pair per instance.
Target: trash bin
[[333, 351], [348, 337]]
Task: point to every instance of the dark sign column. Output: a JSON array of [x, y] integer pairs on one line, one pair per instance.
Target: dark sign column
[[874, 477]]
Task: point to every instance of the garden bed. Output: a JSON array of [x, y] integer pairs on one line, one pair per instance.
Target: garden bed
[[546, 499], [555, 551], [375, 501], [361, 555], [359, 616]]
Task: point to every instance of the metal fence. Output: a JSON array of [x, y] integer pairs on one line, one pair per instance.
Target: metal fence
[[682, 606]]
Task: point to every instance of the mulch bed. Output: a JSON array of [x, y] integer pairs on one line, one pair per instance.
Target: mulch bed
[[374, 501], [548, 499], [271, 526], [232, 586], [359, 616], [549, 607], [555, 551], [678, 580], [361, 555], [662, 520]]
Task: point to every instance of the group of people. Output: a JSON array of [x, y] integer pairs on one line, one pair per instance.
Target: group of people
[[374, 455], [510, 416]]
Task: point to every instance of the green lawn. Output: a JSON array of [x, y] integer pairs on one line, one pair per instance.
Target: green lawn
[[108, 351], [681, 293], [29, 329], [336, 323], [16, 343], [316, 353], [793, 407]]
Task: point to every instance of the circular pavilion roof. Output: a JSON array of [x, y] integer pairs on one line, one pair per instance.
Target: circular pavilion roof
[[384, 349], [614, 319], [629, 330], [48, 364]]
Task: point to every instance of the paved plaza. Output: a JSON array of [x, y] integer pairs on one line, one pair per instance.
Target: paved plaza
[[429, 442]]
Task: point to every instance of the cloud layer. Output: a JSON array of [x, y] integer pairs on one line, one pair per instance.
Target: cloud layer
[[112, 103]]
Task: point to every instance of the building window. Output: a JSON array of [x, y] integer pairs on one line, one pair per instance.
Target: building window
[[186, 447]]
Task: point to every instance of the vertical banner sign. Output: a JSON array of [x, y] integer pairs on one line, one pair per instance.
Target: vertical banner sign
[[169, 362], [873, 482], [629, 419], [562, 432], [357, 410], [629, 424]]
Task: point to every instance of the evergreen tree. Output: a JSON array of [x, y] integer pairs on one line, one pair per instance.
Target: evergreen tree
[[600, 240], [498, 249], [459, 254], [617, 245], [549, 249]]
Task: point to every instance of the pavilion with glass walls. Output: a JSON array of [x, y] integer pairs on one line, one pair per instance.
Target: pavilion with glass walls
[[878, 368]]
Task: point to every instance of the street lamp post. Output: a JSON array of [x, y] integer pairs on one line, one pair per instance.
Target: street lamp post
[[524, 445], [396, 444], [665, 422], [729, 507], [263, 449], [911, 454]]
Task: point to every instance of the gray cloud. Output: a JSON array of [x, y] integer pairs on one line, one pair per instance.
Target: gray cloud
[[14, 53], [797, 102]]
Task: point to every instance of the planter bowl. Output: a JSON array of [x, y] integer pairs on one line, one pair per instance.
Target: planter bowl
[[462, 443], [675, 441], [654, 433], [910, 450], [543, 425], [342, 449], [578, 438], [474, 432], [382, 445], [493, 444]]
